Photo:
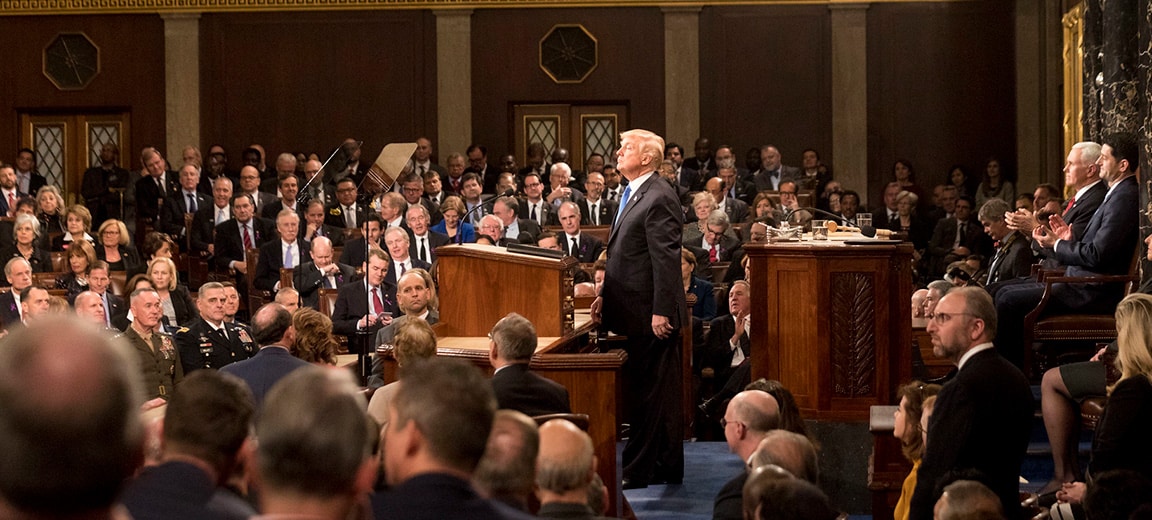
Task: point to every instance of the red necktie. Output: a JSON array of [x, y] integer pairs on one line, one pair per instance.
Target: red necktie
[[11, 205], [247, 238], [714, 254], [377, 303], [1071, 202]]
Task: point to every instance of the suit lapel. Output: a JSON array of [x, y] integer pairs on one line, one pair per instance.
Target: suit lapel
[[633, 200]]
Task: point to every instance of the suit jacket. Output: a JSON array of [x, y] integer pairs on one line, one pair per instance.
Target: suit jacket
[[265, 369], [272, 259], [439, 496], [736, 210], [35, 182], [690, 178], [355, 252], [1106, 247], [175, 490], [202, 346], [307, 281], [1013, 259], [547, 211], [9, 312], [1077, 218], [175, 208], [743, 190], [271, 210], [352, 304], [982, 421], [116, 307], [590, 247], [394, 274], [230, 243], [4, 208], [518, 388], [204, 227], [335, 234], [434, 240], [385, 336], [729, 502], [183, 305], [1120, 442], [717, 352], [606, 212], [944, 236], [262, 199], [642, 278], [529, 226], [149, 197], [763, 181], [334, 215]]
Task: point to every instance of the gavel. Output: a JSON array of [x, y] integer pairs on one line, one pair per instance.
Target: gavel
[[867, 231]]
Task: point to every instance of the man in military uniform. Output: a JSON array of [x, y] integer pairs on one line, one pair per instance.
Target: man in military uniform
[[159, 360], [210, 342]]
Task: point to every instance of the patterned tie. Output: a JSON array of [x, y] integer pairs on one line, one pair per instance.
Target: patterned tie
[[594, 213], [714, 254], [624, 201], [247, 238]]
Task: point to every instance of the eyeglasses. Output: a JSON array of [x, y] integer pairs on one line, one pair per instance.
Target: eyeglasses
[[725, 422], [941, 318]]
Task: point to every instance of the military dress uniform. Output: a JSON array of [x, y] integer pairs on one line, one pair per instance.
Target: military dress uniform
[[159, 361], [203, 346]]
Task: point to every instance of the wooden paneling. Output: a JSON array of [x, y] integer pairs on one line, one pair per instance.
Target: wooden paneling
[[131, 75], [303, 82], [505, 67], [941, 88], [765, 78]]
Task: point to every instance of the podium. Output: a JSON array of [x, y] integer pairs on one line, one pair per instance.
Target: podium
[[832, 322], [481, 284]]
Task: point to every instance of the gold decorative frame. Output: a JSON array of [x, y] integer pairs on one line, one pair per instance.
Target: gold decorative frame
[[1073, 23]]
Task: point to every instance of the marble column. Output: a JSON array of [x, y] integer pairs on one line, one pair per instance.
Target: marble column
[[1093, 18], [1123, 98], [453, 81], [682, 75], [181, 84], [850, 93]]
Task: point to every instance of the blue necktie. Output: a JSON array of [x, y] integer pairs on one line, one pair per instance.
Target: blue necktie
[[288, 257], [624, 201]]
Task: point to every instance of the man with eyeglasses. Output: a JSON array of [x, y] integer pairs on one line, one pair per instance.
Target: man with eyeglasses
[[595, 210], [345, 211], [412, 188], [790, 205], [250, 185], [983, 417], [748, 419], [533, 206]]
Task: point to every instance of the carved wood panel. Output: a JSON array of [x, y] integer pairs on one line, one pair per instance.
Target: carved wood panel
[[853, 334]]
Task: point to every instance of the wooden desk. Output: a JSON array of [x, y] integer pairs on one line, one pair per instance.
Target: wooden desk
[[832, 322]]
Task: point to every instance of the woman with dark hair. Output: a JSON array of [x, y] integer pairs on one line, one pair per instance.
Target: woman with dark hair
[[995, 185], [113, 248], [763, 206], [705, 307], [907, 429], [156, 244], [958, 177], [905, 175], [81, 255]]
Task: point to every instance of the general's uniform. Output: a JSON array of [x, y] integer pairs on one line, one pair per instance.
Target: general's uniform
[[203, 346], [159, 362]]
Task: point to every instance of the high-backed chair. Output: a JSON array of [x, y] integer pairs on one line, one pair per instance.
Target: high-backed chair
[[256, 297]]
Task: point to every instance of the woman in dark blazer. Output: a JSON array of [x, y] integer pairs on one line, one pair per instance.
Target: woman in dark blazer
[[918, 229], [81, 256], [26, 231], [114, 248], [705, 307], [176, 303]]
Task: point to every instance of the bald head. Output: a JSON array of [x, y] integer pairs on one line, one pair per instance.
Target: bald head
[[750, 415], [90, 306], [565, 463], [789, 450]]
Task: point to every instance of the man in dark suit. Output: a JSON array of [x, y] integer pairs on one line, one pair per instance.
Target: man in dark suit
[[412, 188], [883, 216], [421, 161], [565, 449], [367, 305], [642, 297], [438, 428], [452, 180], [187, 200], [153, 189], [28, 180], [210, 342], [424, 241], [727, 345], [595, 210], [772, 172], [313, 225], [289, 186], [9, 193], [211, 215], [534, 207], [250, 184], [344, 212], [715, 241], [737, 189], [414, 293], [506, 209], [736, 209], [983, 417], [206, 426], [399, 246], [955, 238], [689, 178], [478, 162], [751, 414], [586, 248], [272, 330], [98, 283], [288, 252], [510, 347], [1106, 248], [321, 272], [702, 161], [19, 274], [356, 250], [1012, 258], [244, 231]]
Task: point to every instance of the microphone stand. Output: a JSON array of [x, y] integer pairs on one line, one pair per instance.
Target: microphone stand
[[483, 202]]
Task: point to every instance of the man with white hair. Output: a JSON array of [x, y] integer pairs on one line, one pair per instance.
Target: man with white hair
[[565, 466], [322, 272], [505, 208], [288, 252], [558, 182], [397, 242]]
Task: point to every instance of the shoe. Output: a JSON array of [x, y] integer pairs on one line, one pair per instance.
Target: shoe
[[628, 483]]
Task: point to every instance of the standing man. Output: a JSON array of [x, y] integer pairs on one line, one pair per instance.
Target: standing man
[[187, 200], [28, 180], [983, 416], [643, 298], [103, 186], [154, 187]]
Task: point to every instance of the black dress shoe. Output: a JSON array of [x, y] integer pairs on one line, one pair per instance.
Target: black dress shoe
[[628, 483]]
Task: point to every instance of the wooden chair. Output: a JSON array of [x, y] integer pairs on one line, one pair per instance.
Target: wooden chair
[[327, 304], [287, 276], [688, 396], [1093, 407], [256, 297], [47, 280], [188, 217], [719, 270], [116, 282], [352, 234], [60, 261]]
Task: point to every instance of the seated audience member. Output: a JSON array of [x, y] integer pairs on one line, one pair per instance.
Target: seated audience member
[[80, 258], [791, 451], [155, 349], [90, 308], [114, 247], [558, 190], [492, 228], [715, 240], [790, 418], [994, 185], [918, 299], [36, 303], [1119, 441], [565, 469], [507, 471], [288, 186], [232, 305], [766, 211], [25, 205], [397, 241], [413, 341], [907, 429], [289, 298], [122, 320], [584, 247], [475, 208], [907, 221], [727, 346], [27, 234], [287, 252], [208, 342], [505, 208], [1013, 258], [510, 347], [314, 340], [236, 236], [789, 499], [734, 187], [984, 414], [344, 212], [18, 273], [187, 200], [272, 329], [702, 205], [533, 206], [1119, 495], [211, 215], [705, 308], [155, 244], [415, 297], [750, 416], [457, 231], [314, 457], [78, 222], [789, 207], [438, 428], [936, 290], [1024, 201], [968, 499], [206, 426], [67, 454], [595, 209], [849, 205], [424, 240], [954, 239], [667, 171], [313, 226], [320, 273], [176, 303], [1105, 248], [50, 212], [581, 279], [366, 305], [735, 209]]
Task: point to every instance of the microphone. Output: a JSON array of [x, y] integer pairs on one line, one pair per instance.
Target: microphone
[[867, 231], [788, 214], [507, 193]]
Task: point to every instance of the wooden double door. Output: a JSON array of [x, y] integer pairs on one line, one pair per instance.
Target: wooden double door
[[68, 143], [581, 129]]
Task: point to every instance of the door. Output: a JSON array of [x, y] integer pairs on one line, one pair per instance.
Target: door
[[581, 129], [68, 144]]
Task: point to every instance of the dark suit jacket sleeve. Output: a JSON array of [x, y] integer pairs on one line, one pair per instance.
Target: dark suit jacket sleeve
[[729, 503], [186, 311], [267, 270], [343, 321], [1114, 235], [942, 238], [228, 247], [664, 224], [949, 425], [1120, 440], [202, 226]]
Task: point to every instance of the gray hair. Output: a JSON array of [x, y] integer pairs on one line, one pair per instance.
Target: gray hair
[[1089, 151], [994, 210], [718, 218], [515, 337]]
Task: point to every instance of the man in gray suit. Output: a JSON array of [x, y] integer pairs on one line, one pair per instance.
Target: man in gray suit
[[414, 294], [771, 172]]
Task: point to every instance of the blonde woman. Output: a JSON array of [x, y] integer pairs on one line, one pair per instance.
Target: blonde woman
[[113, 246], [77, 224], [175, 301], [50, 210], [314, 340]]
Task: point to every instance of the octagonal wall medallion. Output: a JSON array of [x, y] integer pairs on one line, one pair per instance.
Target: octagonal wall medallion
[[568, 53], [71, 61]]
